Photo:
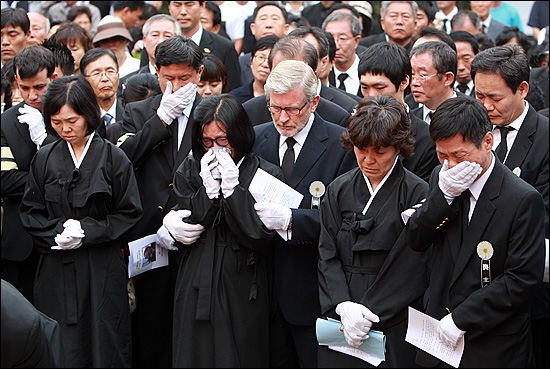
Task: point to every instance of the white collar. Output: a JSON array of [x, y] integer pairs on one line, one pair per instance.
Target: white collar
[[301, 136], [198, 35], [516, 124], [77, 163], [352, 70], [111, 111], [374, 192], [477, 186]]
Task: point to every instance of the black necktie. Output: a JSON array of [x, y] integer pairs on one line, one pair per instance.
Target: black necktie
[[462, 88], [502, 148], [288, 158], [342, 77], [465, 204], [484, 28], [444, 27], [108, 118]]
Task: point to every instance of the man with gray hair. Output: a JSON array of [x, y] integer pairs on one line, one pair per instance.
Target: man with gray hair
[[466, 20], [398, 21], [346, 29], [308, 150]]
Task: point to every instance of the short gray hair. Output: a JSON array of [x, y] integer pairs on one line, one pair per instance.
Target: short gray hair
[[154, 18], [288, 75], [385, 5], [340, 15]]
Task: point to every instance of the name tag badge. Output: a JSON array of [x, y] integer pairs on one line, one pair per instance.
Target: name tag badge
[[317, 190], [485, 252]]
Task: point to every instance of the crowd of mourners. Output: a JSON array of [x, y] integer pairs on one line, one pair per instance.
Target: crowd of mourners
[[292, 161]]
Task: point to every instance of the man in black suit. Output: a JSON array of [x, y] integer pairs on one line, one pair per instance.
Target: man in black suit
[[433, 76], [386, 70], [501, 76], [467, 48], [100, 68], [398, 21], [156, 138], [294, 48], [318, 38], [188, 13], [485, 226], [23, 132], [308, 150]]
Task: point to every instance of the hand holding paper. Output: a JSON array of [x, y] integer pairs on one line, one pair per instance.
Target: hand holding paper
[[448, 332]]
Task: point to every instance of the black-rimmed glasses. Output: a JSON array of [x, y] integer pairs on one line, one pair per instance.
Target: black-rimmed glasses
[[289, 111]]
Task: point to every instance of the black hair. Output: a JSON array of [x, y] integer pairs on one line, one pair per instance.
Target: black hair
[[264, 43], [214, 70], [69, 33], [139, 87], [272, 3], [508, 61], [459, 19], [63, 57], [379, 121], [95, 54], [339, 6], [148, 11], [215, 9], [466, 37], [331, 46], [297, 21], [16, 17], [387, 60], [509, 33], [319, 35], [485, 42], [539, 54], [429, 8], [444, 58], [434, 32], [77, 10], [463, 116], [132, 5], [6, 91], [178, 50], [9, 71], [76, 92], [295, 48], [32, 59], [227, 109]]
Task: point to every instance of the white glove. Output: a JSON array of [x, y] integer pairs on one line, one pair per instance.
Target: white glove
[[185, 233], [71, 237], [34, 119], [173, 104], [357, 320], [229, 172], [448, 332], [456, 180], [274, 216], [164, 239], [208, 163]]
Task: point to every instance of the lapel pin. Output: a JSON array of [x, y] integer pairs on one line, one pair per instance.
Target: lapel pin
[[485, 252], [316, 189]]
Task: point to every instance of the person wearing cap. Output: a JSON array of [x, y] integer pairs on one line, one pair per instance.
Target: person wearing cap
[[113, 35]]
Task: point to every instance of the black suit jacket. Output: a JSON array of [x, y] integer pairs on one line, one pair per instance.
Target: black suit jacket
[[378, 38], [424, 159], [258, 113], [321, 159], [17, 153], [246, 73], [339, 97], [508, 215], [530, 153], [151, 146], [225, 50], [538, 94], [243, 93]]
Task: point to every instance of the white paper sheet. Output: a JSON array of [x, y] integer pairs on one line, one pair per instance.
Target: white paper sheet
[[145, 255], [422, 333], [266, 188]]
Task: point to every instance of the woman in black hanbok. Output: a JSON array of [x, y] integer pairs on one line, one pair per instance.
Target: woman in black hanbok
[[81, 198], [221, 308], [368, 275]]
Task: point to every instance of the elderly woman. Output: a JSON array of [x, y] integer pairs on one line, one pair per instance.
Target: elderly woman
[[221, 302], [81, 198], [368, 275]]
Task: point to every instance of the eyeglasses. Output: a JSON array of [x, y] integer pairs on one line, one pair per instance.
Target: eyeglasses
[[421, 78], [111, 72], [260, 58], [289, 111], [209, 142]]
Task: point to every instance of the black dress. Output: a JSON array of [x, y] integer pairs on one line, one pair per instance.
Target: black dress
[[221, 304], [84, 289], [364, 259]]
